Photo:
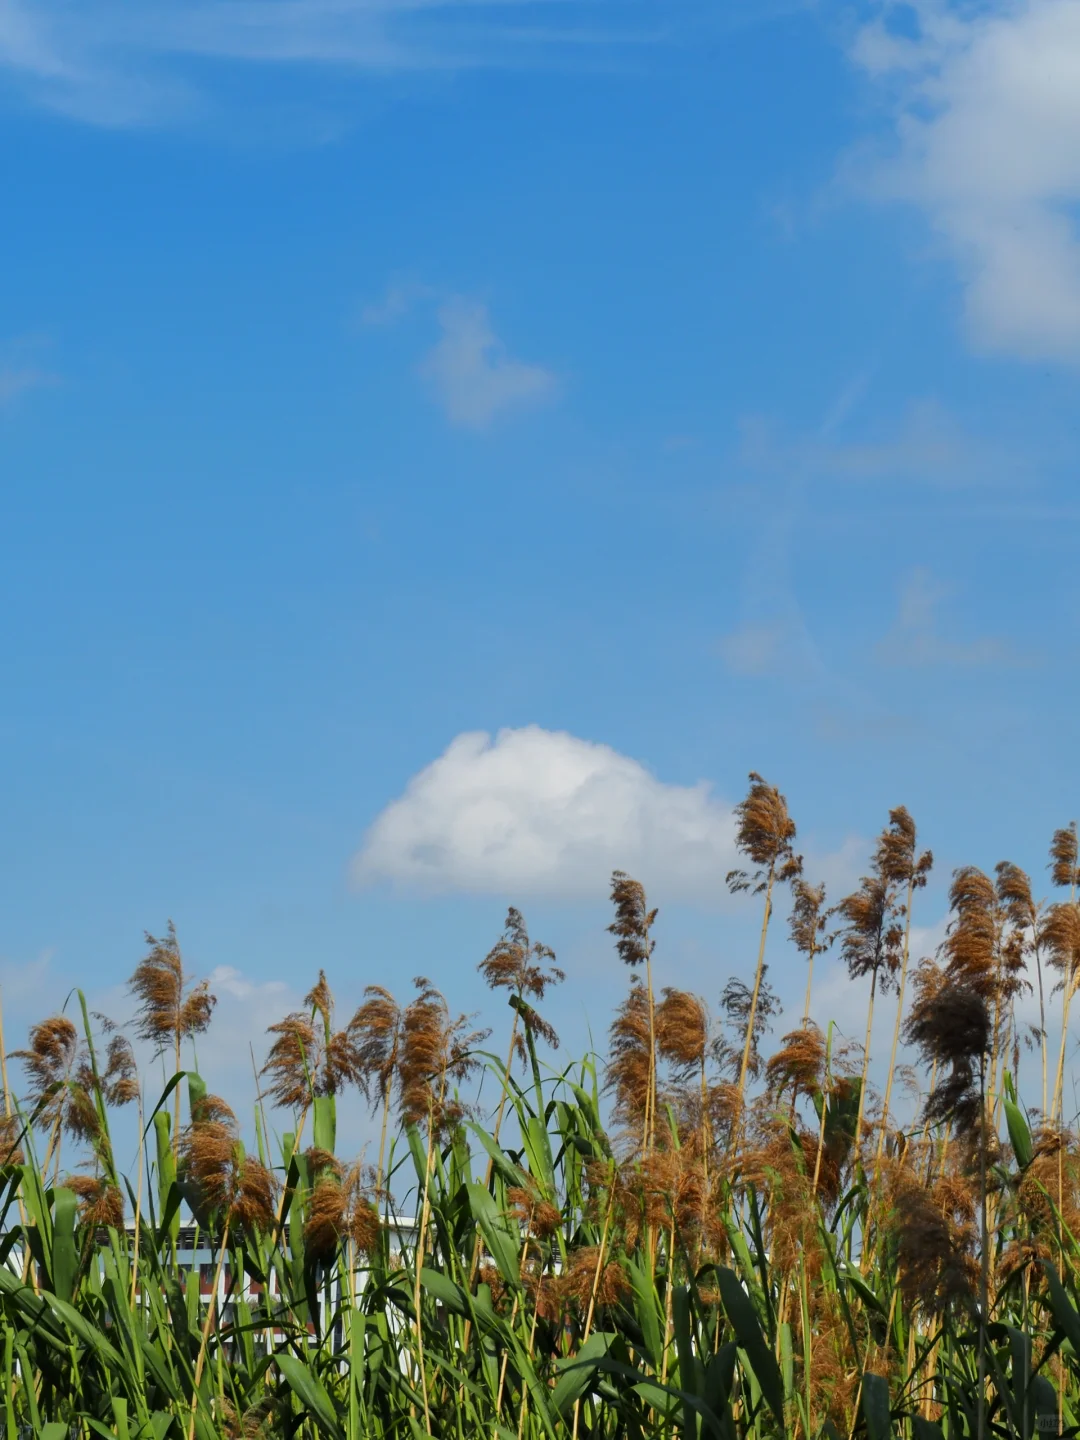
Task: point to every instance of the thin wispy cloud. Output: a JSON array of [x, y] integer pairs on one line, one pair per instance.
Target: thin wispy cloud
[[984, 107], [755, 648], [473, 377], [928, 447], [917, 639], [22, 369], [115, 64], [399, 297], [770, 647]]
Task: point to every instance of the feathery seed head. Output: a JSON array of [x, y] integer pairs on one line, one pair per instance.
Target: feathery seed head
[[682, 1029], [809, 919], [633, 919], [308, 1059], [231, 1184], [169, 1007], [101, 1204], [1064, 870], [375, 1034], [764, 833], [527, 969]]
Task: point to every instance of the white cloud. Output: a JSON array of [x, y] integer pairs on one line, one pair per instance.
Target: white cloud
[[540, 811], [986, 126], [474, 379], [915, 639]]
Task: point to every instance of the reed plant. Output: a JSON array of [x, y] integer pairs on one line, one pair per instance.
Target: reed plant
[[691, 1237]]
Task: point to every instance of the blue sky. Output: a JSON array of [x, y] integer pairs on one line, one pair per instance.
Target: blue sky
[[695, 384]]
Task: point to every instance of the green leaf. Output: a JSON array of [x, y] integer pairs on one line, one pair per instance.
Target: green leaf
[[1019, 1134], [875, 1406], [691, 1371], [852, 1277], [1062, 1309], [309, 1391], [647, 1308], [500, 1236], [744, 1321], [578, 1372], [719, 1378], [538, 1148], [65, 1260], [444, 1290], [510, 1172], [324, 1109], [196, 1089], [166, 1168]]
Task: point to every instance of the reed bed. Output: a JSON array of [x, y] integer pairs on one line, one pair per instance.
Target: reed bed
[[692, 1237]]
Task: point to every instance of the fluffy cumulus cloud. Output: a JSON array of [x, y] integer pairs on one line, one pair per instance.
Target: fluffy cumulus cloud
[[474, 379], [540, 811], [986, 105]]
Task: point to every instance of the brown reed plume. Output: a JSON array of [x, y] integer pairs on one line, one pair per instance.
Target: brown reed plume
[[340, 1208], [741, 1010], [527, 969], [936, 1242], [629, 1068], [1023, 918], [120, 1078], [229, 1186], [1065, 859], [436, 1051], [376, 1032], [235, 1192], [592, 1281], [727, 1101], [309, 1058], [951, 1021], [765, 833], [68, 1093], [1059, 937], [902, 867], [101, 1202], [953, 1030], [60, 1084], [171, 1008], [871, 943], [779, 1162], [1014, 943], [798, 1067], [683, 1030], [11, 1136], [632, 929], [808, 927], [953, 1025], [52, 1059]]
